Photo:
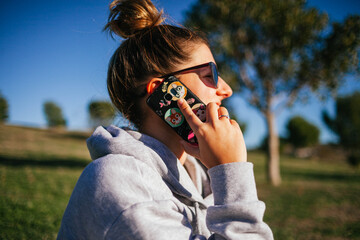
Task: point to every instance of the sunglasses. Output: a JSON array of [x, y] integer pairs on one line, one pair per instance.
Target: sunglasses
[[209, 75]]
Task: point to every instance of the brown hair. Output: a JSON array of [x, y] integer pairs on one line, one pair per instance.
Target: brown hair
[[150, 49]]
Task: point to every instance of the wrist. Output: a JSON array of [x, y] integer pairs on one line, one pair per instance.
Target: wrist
[[233, 182]]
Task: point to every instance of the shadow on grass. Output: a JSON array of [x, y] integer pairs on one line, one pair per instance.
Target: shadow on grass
[[82, 136], [320, 176], [43, 161]]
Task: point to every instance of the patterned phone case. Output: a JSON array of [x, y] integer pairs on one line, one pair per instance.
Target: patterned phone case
[[163, 101]]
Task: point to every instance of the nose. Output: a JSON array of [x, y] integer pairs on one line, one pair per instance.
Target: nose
[[223, 90]]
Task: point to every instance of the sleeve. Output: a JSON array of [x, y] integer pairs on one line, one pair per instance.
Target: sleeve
[[237, 213]]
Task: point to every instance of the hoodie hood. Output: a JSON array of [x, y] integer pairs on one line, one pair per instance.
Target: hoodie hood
[[113, 140]]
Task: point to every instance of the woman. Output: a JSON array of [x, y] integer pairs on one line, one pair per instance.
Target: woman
[[146, 184]]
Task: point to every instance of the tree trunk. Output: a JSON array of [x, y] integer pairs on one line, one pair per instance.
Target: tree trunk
[[273, 157]]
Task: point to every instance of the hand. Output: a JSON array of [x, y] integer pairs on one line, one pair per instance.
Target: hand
[[220, 139]]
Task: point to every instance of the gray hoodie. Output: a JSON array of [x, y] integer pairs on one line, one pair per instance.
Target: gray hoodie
[[136, 188]]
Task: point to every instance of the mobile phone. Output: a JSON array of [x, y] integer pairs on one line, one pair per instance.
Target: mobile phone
[[163, 101]]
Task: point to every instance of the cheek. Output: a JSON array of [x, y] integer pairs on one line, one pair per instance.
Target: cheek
[[205, 93]]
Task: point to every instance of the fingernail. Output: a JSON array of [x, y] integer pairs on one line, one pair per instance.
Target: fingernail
[[181, 101]]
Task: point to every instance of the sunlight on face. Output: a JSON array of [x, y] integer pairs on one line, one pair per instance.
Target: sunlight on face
[[200, 80]]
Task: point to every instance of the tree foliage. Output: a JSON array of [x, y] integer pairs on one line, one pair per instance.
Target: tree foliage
[[274, 51], [274, 46], [346, 124], [302, 133], [53, 115], [4, 109], [101, 113]]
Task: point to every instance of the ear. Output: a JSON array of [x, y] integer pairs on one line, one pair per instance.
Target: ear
[[153, 84]]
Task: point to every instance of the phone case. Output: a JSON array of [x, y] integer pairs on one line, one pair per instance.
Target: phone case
[[163, 101]]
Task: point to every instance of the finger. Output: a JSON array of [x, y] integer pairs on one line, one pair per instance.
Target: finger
[[223, 113], [212, 112], [235, 123], [189, 115]]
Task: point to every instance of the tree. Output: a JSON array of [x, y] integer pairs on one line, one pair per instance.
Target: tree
[[4, 109], [346, 125], [274, 51], [53, 114], [302, 133], [101, 113]]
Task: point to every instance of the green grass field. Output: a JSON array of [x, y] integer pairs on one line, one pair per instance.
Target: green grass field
[[318, 199]]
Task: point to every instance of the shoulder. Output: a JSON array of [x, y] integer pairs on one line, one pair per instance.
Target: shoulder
[[106, 188], [124, 178]]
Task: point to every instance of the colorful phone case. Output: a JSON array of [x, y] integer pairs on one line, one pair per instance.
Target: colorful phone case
[[163, 101]]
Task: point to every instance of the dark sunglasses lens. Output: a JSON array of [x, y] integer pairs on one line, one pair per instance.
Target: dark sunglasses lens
[[214, 73]]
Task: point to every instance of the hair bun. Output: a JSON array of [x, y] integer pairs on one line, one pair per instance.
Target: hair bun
[[128, 17]]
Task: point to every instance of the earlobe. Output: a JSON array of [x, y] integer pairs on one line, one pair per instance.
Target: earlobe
[[153, 84]]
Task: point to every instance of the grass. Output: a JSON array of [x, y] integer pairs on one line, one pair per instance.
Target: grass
[[38, 171], [318, 199]]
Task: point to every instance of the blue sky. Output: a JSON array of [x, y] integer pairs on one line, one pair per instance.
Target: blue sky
[[56, 50]]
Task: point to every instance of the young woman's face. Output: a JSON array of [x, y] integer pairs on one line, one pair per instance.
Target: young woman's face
[[197, 80]]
